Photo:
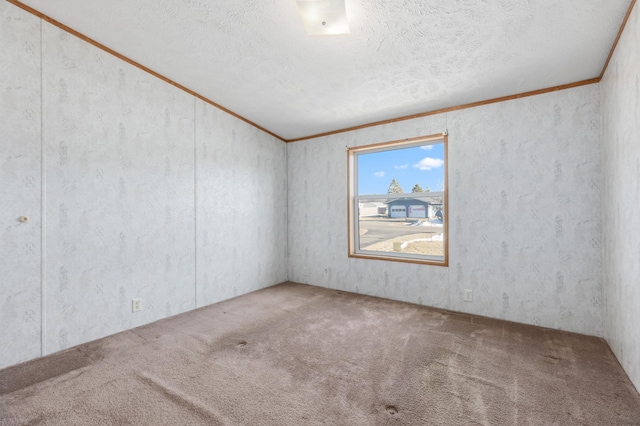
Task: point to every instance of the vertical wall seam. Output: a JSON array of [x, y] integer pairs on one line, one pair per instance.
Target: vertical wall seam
[[43, 211], [601, 135], [286, 210], [195, 205]]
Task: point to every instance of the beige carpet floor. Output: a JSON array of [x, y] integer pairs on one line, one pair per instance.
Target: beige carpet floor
[[300, 355]]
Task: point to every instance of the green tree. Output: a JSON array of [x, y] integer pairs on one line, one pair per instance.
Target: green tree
[[395, 188], [417, 188]]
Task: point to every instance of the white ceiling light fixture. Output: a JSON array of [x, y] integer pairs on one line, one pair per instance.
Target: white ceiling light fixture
[[324, 17]]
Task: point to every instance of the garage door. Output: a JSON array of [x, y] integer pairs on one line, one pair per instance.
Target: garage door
[[398, 211], [417, 211]]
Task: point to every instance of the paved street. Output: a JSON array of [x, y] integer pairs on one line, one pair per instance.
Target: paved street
[[382, 229]]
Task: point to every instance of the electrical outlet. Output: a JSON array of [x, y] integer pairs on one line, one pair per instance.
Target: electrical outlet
[[467, 295], [305, 271], [136, 304]]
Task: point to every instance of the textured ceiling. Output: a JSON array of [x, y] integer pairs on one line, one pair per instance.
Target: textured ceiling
[[402, 57]]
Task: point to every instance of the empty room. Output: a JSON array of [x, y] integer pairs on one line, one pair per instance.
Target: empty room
[[319, 212]]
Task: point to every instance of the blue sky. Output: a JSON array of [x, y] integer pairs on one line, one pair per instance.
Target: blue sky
[[422, 165]]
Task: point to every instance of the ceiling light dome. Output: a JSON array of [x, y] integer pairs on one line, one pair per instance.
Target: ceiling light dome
[[323, 17]]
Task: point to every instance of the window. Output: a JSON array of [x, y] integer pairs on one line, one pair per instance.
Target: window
[[398, 201]]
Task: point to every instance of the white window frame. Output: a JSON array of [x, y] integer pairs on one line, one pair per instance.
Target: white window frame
[[354, 199]]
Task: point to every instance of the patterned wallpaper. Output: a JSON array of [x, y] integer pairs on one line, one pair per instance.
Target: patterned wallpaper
[[241, 206], [621, 198], [525, 216], [147, 193], [524, 213], [120, 193], [20, 190]]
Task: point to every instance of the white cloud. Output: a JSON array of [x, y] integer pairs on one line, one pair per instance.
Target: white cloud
[[402, 167], [379, 174], [427, 147], [429, 163]]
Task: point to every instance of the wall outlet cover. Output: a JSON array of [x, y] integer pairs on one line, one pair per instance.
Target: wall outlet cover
[[136, 304]]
